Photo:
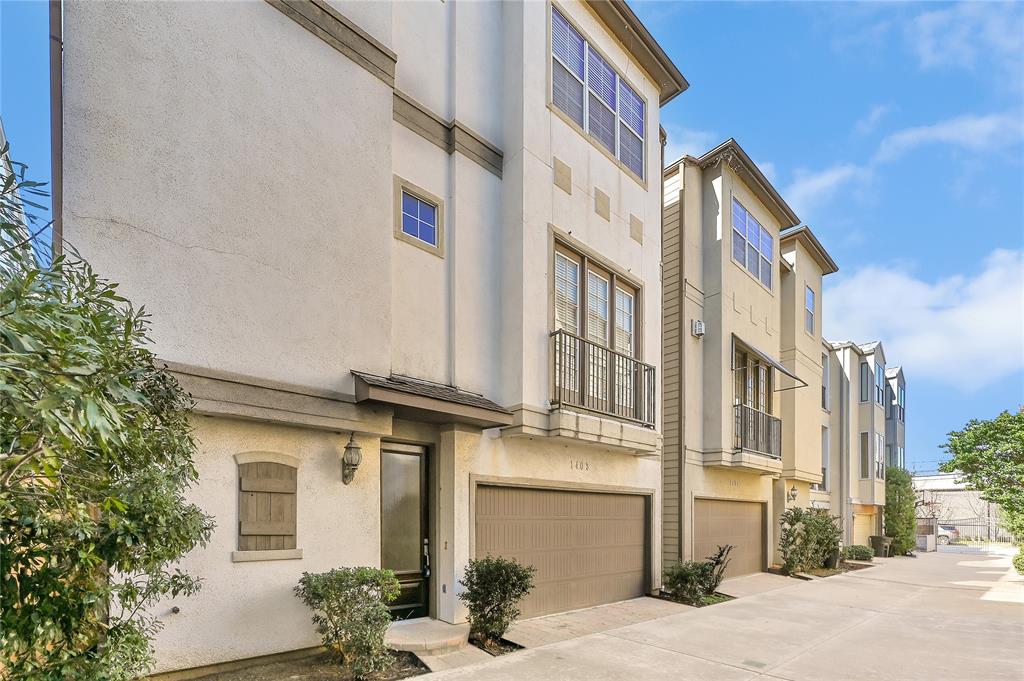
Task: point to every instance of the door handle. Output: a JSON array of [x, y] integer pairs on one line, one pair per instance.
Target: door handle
[[426, 557]]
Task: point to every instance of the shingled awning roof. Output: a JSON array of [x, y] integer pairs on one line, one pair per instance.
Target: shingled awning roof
[[418, 399]]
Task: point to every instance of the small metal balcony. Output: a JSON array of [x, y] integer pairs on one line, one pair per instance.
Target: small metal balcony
[[598, 379], [757, 431]]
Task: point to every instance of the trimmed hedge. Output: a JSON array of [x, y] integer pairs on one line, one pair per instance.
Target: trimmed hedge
[[858, 552]]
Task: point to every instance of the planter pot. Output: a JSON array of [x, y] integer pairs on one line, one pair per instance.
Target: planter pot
[[833, 560]]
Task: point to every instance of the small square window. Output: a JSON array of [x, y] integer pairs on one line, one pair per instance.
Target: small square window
[[419, 217]]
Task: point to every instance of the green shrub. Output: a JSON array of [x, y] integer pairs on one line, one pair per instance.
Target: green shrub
[[858, 552], [493, 587], [900, 511], [808, 537], [823, 536], [351, 614], [1018, 562], [692, 581]]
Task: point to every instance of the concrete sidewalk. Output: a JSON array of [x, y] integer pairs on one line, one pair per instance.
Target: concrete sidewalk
[[938, 616]]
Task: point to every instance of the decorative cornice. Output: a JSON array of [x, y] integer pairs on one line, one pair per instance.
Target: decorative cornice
[[731, 154], [451, 136], [326, 23]]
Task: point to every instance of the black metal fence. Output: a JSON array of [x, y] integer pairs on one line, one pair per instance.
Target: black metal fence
[[757, 431]]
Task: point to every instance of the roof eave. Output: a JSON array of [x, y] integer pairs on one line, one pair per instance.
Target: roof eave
[[739, 160], [626, 26]]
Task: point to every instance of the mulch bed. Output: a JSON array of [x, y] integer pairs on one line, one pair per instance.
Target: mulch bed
[[713, 599], [321, 667], [844, 566], [495, 648]]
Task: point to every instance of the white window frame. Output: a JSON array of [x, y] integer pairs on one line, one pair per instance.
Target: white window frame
[[879, 472], [809, 311], [758, 253], [618, 82]]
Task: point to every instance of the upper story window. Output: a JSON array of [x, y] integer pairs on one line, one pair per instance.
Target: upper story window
[[865, 456], [610, 302], [419, 217], [879, 456], [593, 95], [825, 382], [752, 245], [901, 403], [879, 384], [865, 382], [753, 386], [809, 310]]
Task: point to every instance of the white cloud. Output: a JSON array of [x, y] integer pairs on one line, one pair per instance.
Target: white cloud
[[965, 330], [967, 32], [683, 141], [812, 189], [973, 132], [867, 125]]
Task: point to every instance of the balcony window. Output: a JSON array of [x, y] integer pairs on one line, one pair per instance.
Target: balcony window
[[586, 88], [752, 245], [595, 359], [754, 427]]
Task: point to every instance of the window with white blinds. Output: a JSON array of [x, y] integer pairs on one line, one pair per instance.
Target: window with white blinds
[[595, 96], [597, 308], [752, 245], [567, 293], [583, 286], [623, 321]]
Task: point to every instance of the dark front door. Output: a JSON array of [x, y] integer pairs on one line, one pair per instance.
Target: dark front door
[[404, 539]]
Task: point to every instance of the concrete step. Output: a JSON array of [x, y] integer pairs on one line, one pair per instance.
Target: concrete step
[[425, 636], [460, 658]]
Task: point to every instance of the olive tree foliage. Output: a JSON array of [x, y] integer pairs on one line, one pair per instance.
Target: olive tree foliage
[[989, 456], [900, 510], [95, 456]]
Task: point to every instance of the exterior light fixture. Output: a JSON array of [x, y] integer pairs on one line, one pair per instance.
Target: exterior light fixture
[[351, 460], [791, 495]]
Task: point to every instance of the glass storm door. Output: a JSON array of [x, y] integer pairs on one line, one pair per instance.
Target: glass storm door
[[405, 547]]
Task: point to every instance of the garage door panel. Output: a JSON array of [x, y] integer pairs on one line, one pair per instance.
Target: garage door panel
[[741, 524], [588, 548]]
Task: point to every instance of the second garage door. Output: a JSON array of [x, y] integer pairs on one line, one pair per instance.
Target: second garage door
[[739, 523], [589, 548]]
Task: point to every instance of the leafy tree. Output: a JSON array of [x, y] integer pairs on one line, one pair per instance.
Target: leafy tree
[[900, 514], [95, 457], [989, 457]]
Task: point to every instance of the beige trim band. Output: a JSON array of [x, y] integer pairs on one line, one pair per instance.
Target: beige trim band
[[326, 23], [274, 554], [221, 393], [267, 457], [451, 136]]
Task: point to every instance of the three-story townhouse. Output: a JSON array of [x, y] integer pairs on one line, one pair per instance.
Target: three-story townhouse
[[805, 263], [406, 257], [857, 438], [895, 417], [723, 377]]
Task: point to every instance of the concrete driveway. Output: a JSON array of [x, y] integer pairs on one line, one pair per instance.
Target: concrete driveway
[[938, 616]]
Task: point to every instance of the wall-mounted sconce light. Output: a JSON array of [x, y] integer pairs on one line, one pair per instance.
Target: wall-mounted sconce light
[[791, 495], [350, 461]]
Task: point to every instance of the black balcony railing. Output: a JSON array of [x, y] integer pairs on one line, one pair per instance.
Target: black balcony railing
[[757, 431], [592, 377]]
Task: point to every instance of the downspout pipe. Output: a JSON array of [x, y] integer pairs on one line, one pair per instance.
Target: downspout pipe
[[57, 126]]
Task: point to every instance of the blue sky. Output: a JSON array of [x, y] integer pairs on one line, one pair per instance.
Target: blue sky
[[894, 130]]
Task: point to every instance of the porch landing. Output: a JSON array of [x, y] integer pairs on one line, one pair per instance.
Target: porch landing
[[426, 636]]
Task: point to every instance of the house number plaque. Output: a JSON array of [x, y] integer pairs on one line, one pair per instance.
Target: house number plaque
[[578, 465]]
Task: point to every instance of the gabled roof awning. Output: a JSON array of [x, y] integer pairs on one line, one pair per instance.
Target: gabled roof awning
[[768, 359], [421, 400]]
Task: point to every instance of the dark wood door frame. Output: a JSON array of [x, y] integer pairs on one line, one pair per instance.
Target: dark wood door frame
[[415, 599]]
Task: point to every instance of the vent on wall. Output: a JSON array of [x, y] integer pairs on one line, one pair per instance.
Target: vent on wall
[[697, 327]]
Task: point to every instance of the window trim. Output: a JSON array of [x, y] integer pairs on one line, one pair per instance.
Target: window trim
[[403, 185], [865, 376], [252, 556], [812, 311], [746, 241], [582, 130], [590, 263]]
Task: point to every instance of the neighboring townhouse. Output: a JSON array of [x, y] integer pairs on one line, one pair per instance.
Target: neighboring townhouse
[[407, 259], [730, 456], [895, 417], [805, 429], [855, 490]]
